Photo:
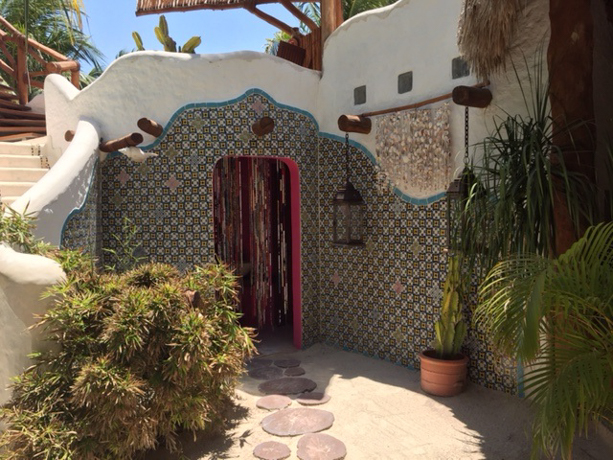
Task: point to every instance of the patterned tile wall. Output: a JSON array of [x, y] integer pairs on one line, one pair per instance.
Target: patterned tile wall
[[383, 299], [380, 300], [169, 197], [81, 227]]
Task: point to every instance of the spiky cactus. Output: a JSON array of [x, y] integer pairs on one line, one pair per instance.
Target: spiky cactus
[[161, 33], [450, 328]]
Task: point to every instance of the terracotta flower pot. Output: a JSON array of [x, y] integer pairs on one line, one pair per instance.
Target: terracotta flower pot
[[443, 377]]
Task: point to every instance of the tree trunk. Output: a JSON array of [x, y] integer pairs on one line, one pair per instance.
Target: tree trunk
[[570, 61]]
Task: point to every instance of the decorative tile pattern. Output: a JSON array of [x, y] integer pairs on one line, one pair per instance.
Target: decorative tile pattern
[[169, 198], [381, 299], [390, 296], [80, 229]]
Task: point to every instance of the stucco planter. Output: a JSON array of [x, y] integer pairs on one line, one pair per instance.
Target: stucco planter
[[443, 377]]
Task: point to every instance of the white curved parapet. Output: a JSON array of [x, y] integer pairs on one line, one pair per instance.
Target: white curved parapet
[[155, 84], [23, 278], [64, 188]]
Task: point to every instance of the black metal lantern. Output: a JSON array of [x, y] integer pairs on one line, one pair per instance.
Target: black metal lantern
[[348, 211]]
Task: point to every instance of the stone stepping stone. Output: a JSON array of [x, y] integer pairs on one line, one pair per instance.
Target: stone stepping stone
[[273, 402], [287, 363], [294, 422], [313, 399], [320, 446], [287, 386], [265, 373], [271, 450], [294, 371], [254, 363]]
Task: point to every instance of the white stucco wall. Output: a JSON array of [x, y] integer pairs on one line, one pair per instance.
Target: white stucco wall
[[155, 84], [374, 47], [527, 57], [23, 278], [64, 188]]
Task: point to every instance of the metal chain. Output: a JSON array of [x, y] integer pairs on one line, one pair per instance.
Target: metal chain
[[347, 156], [466, 140]]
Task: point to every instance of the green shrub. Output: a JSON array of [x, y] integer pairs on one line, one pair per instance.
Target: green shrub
[[138, 357]]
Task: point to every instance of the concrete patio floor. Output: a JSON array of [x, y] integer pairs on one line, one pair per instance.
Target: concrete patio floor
[[381, 413]]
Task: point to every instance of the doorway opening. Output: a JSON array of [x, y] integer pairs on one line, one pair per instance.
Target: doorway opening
[[257, 232]]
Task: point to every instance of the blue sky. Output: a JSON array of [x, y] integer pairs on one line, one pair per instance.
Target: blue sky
[[111, 22]]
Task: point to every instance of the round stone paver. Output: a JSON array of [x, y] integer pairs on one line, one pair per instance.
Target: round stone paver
[[294, 371], [313, 399], [294, 422], [320, 446], [254, 363], [271, 450], [287, 386], [266, 373], [287, 363], [273, 402]]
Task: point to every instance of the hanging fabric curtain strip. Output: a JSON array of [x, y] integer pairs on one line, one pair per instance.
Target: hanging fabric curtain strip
[[252, 219]]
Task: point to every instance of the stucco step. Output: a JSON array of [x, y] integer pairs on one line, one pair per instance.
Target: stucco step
[[8, 200], [11, 148], [19, 161], [14, 188], [21, 174]]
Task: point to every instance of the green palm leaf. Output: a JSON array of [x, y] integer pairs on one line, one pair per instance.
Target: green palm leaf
[[557, 316]]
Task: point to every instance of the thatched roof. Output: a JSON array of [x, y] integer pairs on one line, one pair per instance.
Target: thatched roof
[[165, 6], [485, 33]]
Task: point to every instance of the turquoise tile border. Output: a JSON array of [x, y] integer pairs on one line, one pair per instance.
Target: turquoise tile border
[[249, 92]]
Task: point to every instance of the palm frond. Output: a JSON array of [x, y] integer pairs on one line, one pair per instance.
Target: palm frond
[[557, 315]]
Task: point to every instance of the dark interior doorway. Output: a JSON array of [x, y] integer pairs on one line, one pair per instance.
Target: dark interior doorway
[[254, 217]]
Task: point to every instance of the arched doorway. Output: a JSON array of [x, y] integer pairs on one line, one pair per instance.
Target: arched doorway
[[257, 231]]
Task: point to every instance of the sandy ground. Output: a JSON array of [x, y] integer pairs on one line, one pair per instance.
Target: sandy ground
[[381, 413]]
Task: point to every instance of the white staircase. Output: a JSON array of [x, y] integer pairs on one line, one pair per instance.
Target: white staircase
[[22, 164]]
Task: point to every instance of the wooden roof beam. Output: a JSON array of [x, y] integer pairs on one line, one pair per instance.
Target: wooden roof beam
[[202, 6], [270, 19], [289, 6]]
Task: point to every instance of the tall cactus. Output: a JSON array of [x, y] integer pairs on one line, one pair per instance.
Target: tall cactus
[[450, 328], [161, 33]]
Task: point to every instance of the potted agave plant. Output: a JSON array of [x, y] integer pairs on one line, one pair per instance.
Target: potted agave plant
[[444, 368]]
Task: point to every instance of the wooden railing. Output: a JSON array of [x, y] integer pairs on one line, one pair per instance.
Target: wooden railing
[[14, 52]]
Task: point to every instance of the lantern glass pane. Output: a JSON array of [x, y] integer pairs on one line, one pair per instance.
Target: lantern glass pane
[[342, 222]]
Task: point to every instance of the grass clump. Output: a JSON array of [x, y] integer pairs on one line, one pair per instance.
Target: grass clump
[[135, 358]]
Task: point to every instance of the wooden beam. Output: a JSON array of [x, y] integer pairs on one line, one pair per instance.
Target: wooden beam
[[62, 66], [75, 78], [21, 122], [416, 105], [37, 84], [22, 129], [21, 73], [471, 97], [354, 124], [129, 140], [264, 125], [289, 6], [7, 68], [225, 6], [271, 20], [331, 17], [13, 105], [408, 106], [9, 57], [20, 113], [150, 127]]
